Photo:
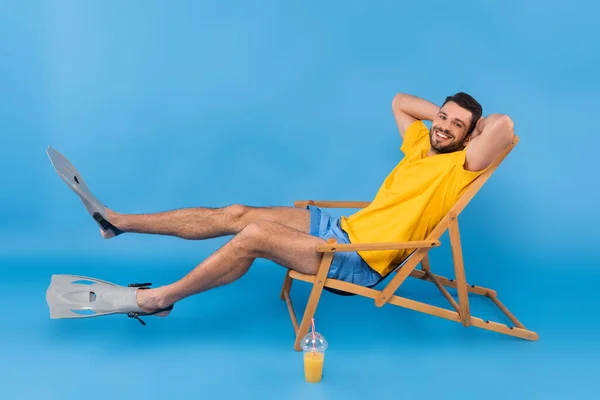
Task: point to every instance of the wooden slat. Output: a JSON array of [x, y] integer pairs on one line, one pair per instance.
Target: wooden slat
[[505, 329], [288, 301], [452, 283], [377, 246], [443, 290], [331, 204], [454, 316], [505, 311], [400, 277], [425, 263], [459, 271], [305, 277], [287, 285]]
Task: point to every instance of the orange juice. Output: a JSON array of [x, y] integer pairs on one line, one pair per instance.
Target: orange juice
[[313, 365]]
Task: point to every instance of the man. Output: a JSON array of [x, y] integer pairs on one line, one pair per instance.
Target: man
[[438, 165]]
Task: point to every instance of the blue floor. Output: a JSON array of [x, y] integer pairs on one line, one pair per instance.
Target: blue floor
[[236, 341], [209, 103]]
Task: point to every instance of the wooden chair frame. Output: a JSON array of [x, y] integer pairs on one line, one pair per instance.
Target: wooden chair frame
[[420, 248]]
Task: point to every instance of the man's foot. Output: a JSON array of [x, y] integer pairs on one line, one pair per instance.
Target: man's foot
[[150, 300], [112, 217]]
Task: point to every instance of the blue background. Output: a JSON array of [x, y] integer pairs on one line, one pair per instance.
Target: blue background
[[162, 105]]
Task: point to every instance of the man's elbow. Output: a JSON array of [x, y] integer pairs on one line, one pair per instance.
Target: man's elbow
[[503, 126], [505, 123], [398, 101], [507, 127]]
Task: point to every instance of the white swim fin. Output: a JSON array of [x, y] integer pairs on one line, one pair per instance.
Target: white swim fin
[[74, 180], [73, 296]]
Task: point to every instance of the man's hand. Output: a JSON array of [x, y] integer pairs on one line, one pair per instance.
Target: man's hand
[[478, 128], [407, 109]]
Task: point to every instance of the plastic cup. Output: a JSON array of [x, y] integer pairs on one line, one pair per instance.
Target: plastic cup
[[314, 356]]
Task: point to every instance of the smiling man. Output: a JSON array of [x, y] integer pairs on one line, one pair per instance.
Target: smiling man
[[437, 167]]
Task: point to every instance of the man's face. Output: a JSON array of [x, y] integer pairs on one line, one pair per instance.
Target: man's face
[[449, 128]]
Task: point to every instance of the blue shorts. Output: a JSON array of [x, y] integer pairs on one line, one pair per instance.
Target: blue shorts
[[345, 266]]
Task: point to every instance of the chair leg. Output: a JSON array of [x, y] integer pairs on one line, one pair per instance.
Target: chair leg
[[313, 299], [459, 272], [287, 285], [290, 307], [425, 267]]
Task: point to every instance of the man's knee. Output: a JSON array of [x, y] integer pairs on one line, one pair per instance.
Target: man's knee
[[236, 213], [251, 236], [255, 229]]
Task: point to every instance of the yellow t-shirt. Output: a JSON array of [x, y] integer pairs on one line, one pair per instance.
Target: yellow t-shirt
[[412, 200]]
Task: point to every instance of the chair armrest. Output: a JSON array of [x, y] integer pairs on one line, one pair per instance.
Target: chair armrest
[[415, 244], [331, 204]]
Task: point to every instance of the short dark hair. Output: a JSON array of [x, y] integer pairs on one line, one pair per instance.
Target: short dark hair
[[466, 101]]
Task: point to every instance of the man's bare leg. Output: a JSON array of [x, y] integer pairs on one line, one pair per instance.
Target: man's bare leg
[[204, 223], [285, 246]]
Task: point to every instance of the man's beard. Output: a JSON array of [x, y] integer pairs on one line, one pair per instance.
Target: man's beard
[[443, 149]]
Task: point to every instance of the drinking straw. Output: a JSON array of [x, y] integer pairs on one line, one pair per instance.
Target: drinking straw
[[313, 336]]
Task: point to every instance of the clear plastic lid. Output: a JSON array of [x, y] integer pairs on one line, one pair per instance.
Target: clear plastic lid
[[318, 343]]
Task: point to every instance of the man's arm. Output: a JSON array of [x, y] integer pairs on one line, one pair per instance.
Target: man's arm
[[408, 108], [490, 137]]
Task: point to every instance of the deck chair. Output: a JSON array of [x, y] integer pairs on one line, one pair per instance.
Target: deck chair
[[419, 255]]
